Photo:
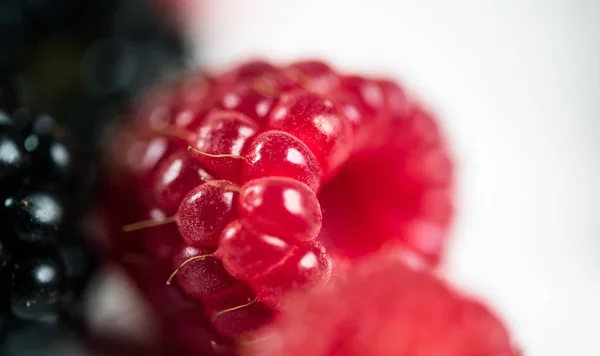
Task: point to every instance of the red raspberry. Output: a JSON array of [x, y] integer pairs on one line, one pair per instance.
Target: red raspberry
[[384, 308], [245, 185]]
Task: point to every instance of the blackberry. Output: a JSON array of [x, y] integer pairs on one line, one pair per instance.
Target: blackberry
[[85, 61], [45, 261]]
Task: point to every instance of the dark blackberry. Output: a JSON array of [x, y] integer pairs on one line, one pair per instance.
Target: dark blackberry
[[13, 158], [40, 283], [9, 85], [4, 254], [42, 338], [83, 62], [37, 216], [45, 261]]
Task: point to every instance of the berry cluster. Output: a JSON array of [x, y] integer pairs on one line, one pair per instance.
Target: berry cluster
[[258, 182], [408, 312], [45, 262]]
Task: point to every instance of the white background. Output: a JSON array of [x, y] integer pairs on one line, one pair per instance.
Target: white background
[[517, 86]]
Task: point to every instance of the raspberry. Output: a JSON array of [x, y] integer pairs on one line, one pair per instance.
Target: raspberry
[[270, 175], [408, 312]]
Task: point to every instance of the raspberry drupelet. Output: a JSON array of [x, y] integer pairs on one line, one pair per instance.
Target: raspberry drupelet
[[263, 181]]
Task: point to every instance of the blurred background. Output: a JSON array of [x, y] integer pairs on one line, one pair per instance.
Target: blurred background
[[517, 85]]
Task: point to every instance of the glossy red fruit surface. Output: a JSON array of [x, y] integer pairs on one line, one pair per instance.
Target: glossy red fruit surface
[[201, 279], [383, 213], [223, 133], [362, 100], [256, 98], [181, 105], [316, 122], [140, 154], [397, 105], [276, 153], [161, 243], [313, 75], [154, 110], [250, 101], [290, 154], [281, 207], [236, 312], [247, 72], [196, 96], [309, 266], [397, 193], [190, 333], [384, 308], [205, 211], [176, 175], [247, 254]]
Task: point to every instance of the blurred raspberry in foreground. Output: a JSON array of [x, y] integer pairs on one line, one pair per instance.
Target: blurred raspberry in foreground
[[384, 308]]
